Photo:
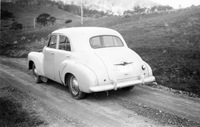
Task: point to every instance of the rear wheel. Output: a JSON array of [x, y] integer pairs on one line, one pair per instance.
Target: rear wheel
[[74, 88], [128, 88], [35, 75]]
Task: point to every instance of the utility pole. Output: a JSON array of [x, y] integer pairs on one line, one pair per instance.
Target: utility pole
[[34, 22], [81, 12]]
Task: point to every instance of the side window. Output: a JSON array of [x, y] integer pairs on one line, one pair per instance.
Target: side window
[[52, 42], [95, 42], [64, 43], [117, 41]]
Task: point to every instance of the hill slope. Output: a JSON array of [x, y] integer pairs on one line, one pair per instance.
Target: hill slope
[[146, 30], [169, 42], [26, 14]]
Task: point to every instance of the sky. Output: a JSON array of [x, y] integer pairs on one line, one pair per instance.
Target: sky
[[119, 6]]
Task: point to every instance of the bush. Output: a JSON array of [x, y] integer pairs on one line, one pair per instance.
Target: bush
[[127, 16], [6, 14], [52, 20], [68, 21], [16, 26], [43, 19]]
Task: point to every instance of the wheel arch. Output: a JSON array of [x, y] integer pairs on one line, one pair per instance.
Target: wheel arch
[[67, 78], [37, 59], [149, 70], [85, 76], [30, 64]]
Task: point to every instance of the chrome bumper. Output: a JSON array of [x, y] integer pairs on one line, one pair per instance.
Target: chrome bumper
[[115, 86]]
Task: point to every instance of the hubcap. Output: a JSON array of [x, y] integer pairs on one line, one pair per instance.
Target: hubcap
[[74, 86]]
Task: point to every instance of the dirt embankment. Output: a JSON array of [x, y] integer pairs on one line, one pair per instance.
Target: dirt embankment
[[50, 104]]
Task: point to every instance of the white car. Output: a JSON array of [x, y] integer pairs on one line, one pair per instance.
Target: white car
[[89, 59]]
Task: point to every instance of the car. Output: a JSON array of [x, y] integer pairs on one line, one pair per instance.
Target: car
[[89, 59]]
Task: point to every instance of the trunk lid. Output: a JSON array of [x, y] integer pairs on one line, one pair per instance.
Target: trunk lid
[[121, 63]]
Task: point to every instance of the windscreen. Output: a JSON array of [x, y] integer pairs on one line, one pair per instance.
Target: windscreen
[[105, 41]]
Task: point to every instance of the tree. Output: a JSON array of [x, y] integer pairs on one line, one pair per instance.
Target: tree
[[16, 26], [52, 20], [68, 21], [43, 19], [6, 14], [138, 9]]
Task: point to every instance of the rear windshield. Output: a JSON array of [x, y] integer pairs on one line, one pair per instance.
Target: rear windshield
[[105, 41]]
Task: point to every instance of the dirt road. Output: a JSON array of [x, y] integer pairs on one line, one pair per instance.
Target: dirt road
[[142, 107]]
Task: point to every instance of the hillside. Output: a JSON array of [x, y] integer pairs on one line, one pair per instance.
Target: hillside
[[26, 14], [146, 30], [168, 41]]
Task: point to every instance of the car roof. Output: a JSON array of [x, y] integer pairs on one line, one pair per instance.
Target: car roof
[[80, 36], [86, 31]]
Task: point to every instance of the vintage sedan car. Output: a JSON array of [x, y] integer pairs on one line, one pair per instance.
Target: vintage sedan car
[[89, 59]]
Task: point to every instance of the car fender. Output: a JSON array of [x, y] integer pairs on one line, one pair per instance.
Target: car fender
[[148, 70], [37, 58], [85, 76]]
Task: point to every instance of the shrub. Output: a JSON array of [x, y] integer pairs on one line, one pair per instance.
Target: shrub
[[6, 14], [43, 19], [16, 26], [52, 20], [68, 21], [127, 16]]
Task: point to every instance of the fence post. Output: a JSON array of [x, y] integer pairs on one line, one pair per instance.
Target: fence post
[[81, 12], [34, 22]]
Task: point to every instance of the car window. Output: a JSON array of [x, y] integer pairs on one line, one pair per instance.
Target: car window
[[105, 41], [95, 42], [64, 43], [52, 41]]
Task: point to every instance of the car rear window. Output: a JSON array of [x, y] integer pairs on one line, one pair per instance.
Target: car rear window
[[105, 41]]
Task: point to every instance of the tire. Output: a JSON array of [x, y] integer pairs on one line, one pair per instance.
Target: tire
[[43, 79], [74, 88], [128, 88], [35, 75]]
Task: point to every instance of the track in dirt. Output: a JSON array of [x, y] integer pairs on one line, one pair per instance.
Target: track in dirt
[[143, 106]]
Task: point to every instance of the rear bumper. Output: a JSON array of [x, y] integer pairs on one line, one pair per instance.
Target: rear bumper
[[115, 86]]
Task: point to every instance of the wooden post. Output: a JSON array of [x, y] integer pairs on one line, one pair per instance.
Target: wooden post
[[81, 12], [34, 22]]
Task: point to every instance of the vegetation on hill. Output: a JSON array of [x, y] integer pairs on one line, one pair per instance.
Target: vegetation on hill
[[26, 14], [75, 9], [6, 14], [45, 18], [142, 10]]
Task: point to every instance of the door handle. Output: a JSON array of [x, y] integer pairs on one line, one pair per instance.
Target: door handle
[[52, 53]]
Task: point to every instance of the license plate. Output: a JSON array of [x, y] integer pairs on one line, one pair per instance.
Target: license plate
[[124, 69]]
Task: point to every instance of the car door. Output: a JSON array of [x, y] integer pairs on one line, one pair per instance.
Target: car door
[[63, 53], [49, 55]]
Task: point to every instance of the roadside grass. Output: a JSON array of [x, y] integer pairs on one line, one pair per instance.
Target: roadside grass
[[173, 68], [169, 42], [12, 114]]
